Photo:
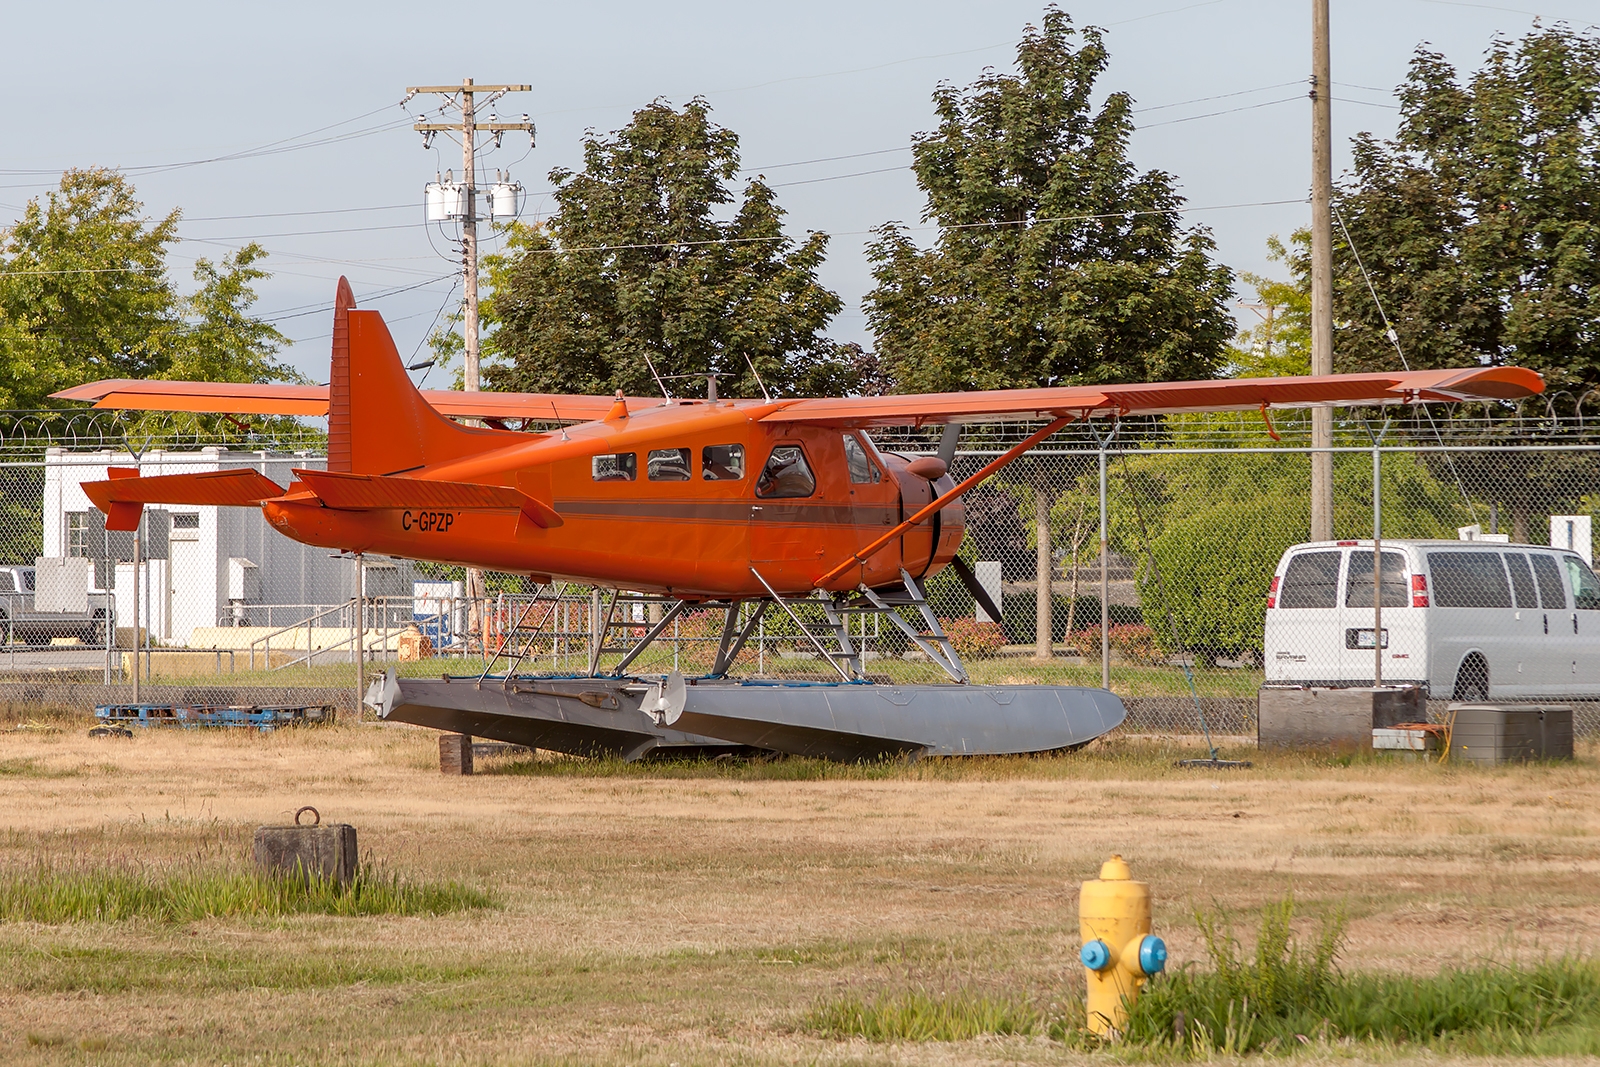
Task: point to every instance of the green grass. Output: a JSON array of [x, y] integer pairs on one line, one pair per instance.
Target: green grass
[[1285, 996], [51, 895], [921, 1016], [1278, 999]]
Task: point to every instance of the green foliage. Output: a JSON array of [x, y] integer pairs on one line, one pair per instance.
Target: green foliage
[[1286, 995], [635, 263], [1279, 344], [921, 1016], [1480, 220], [49, 894], [1057, 262], [83, 290], [224, 342], [973, 639], [84, 294]]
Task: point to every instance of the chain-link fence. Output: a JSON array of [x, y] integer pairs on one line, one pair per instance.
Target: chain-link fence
[[1199, 596]]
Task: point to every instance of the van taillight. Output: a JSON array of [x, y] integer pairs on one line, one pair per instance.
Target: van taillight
[[1419, 590], [1272, 594]]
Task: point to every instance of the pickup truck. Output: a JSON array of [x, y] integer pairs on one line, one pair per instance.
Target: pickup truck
[[21, 623]]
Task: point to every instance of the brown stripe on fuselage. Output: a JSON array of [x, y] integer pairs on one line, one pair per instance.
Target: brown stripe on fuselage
[[740, 511]]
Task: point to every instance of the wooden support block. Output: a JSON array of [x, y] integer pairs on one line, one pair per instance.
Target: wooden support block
[[455, 754], [308, 851]]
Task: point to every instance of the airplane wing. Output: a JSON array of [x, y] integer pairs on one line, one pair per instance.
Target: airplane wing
[[229, 398], [1159, 398]]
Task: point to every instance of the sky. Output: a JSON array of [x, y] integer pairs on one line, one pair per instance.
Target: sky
[[281, 123]]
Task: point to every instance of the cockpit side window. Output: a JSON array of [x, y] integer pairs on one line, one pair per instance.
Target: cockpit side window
[[786, 474], [862, 470]]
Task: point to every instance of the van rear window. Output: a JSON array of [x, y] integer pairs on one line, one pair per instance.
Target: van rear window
[[1312, 581], [1396, 590], [1469, 580], [8, 584]]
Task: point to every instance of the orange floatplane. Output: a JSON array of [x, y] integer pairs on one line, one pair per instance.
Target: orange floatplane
[[743, 504]]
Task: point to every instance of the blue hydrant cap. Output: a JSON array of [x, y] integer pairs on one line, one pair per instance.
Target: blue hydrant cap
[[1095, 955], [1152, 955]]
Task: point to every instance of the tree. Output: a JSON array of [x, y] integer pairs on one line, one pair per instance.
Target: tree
[[84, 294], [1478, 226], [1057, 263], [635, 267], [1479, 222], [83, 290], [1280, 343], [223, 342]]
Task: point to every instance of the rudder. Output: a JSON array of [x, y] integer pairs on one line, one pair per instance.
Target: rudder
[[377, 421]]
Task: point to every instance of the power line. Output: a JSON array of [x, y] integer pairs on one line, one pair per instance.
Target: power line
[[915, 229]]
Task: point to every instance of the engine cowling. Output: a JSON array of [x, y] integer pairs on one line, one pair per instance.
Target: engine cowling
[[928, 547]]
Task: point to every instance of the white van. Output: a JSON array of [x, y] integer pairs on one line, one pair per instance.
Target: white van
[[1467, 620]]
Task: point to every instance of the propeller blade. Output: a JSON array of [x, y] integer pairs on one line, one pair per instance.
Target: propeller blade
[[947, 444], [979, 593]]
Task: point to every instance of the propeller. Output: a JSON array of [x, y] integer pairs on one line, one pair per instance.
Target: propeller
[[979, 593], [947, 443]]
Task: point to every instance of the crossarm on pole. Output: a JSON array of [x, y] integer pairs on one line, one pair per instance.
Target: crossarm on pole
[[989, 468]]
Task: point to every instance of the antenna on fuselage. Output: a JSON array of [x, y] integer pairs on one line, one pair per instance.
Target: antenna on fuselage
[[559, 424], [653, 374], [751, 364]]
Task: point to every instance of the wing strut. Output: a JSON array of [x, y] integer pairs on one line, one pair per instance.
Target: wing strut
[[989, 468]]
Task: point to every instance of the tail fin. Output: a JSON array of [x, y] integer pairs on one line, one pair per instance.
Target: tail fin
[[377, 421]]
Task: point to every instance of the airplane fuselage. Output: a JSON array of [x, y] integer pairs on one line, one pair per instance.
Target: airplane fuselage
[[682, 497]]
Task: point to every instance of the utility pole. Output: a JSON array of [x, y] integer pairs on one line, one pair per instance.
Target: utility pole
[[468, 128], [1321, 269]]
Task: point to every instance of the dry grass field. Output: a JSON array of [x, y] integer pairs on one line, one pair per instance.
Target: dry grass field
[[695, 914]]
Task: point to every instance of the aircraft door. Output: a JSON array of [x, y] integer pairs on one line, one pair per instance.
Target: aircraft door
[[781, 547]]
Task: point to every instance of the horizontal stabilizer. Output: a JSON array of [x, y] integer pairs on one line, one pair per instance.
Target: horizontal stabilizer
[[362, 492], [124, 494]]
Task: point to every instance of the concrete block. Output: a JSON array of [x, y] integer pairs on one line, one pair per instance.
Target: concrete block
[[1340, 718], [298, 851], [455, 754]]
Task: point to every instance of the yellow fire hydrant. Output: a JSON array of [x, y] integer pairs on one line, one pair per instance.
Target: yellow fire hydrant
[[1119, 951]]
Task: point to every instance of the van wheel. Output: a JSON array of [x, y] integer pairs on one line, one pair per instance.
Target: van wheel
[[1472, 681]]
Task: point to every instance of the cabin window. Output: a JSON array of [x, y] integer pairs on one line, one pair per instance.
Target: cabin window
[[1469, 580], [620, 467], [862, 469], [1551, 591], [186, 520], [1522, 580], [1312, 581], [787, 474], [722, 463], [668, 465], [8, 584]]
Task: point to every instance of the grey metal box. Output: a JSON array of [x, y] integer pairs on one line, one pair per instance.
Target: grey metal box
[[1556, 731]]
